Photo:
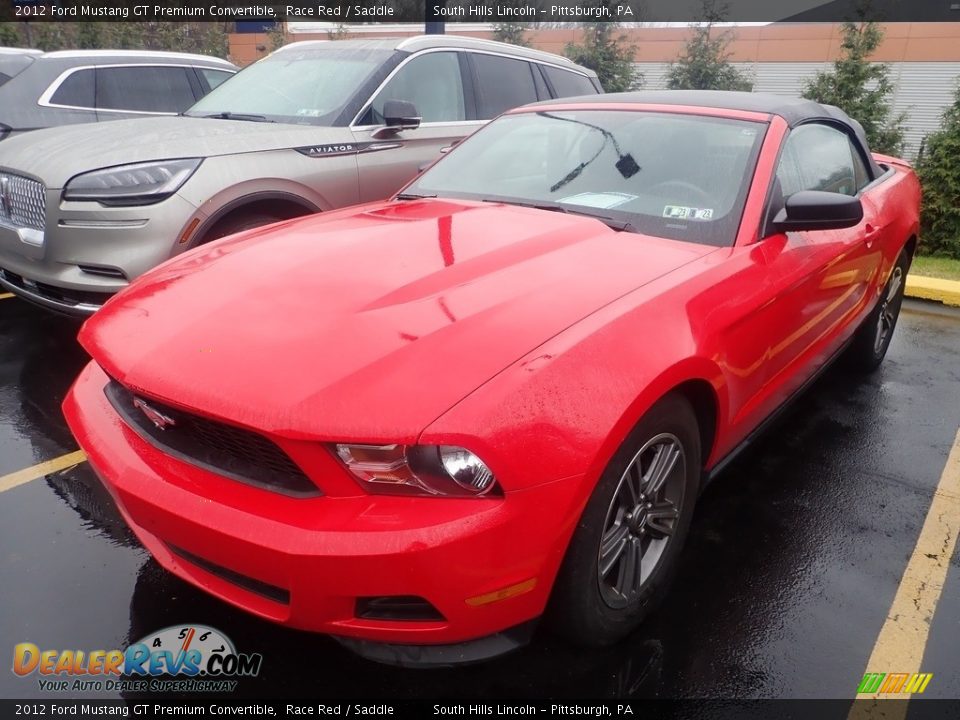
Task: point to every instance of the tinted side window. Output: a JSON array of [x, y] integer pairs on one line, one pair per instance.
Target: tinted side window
[[214, 77], [568, 84], [144, 89], [822, 158], [504, 83], [432, 82], [76, 90]]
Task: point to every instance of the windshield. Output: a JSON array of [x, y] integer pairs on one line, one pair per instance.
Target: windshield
[[677, 176], [308, 87]]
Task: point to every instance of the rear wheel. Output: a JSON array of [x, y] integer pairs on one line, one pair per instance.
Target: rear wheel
[[872, 340], [627, 544]]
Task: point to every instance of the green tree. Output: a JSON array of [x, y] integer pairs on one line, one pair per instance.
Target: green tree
[[514, 33], [339, 32], [939, 170], [277, 35], [50, 36], [607, 53], [90, 36], [9, 34], [705, 63], [861, 88], [124, 35]]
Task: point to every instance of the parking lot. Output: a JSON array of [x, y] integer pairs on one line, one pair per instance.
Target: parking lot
[[796, 555]]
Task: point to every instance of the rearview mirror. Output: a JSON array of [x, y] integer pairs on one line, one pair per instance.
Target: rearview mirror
[[399, 115], [818, 210]]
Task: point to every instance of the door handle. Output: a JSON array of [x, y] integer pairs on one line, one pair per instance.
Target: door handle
[[871, 233]]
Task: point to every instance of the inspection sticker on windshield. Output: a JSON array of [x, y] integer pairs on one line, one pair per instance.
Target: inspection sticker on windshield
[[679, 212], [599, 200]]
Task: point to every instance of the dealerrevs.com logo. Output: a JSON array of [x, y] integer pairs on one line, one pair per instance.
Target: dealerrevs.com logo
[[182, 658]]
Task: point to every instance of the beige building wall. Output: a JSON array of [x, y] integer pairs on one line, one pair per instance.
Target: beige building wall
[[791, 42]]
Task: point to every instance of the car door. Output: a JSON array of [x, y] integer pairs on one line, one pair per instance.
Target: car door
[[814, 284], [434, 82]]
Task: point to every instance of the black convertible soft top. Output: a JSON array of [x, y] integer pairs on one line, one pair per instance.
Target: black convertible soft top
[[794, 110]]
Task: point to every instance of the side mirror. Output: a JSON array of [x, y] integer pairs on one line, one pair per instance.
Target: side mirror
[[818, 210], [398, 115]]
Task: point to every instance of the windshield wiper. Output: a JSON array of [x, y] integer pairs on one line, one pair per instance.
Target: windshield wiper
[[236, 116], [619, 225], [412, 196], [554, 207]]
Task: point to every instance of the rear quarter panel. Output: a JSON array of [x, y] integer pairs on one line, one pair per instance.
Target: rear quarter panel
[[897, 201]]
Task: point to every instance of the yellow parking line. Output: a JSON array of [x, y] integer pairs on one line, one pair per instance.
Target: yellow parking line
[[4, 296], [20, 477], [903, 637]]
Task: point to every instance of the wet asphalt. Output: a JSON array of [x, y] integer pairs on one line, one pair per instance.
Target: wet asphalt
[[795, 555]]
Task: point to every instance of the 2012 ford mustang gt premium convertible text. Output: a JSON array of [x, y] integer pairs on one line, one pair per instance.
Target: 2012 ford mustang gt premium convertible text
[[419, 425]]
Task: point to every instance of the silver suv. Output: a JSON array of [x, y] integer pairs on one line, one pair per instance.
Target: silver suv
[[66, 87], [313, 127]]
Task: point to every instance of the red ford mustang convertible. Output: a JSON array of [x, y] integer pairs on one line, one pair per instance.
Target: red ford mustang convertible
[[422, 424]]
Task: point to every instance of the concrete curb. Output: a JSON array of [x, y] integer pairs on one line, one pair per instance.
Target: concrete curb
[[937, 289]]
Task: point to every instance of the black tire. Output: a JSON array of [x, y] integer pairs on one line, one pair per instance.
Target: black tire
[[872, 339], [238, 223], [586, 607]]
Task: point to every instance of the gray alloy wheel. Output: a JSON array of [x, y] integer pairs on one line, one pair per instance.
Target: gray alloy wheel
[[626, 546], [641, 519], [889, 309], [872, 339]]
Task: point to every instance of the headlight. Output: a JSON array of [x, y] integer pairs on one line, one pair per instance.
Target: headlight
[[139, 184], [436, 470]]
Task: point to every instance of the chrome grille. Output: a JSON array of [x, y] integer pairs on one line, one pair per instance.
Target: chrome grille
[[23, 202]]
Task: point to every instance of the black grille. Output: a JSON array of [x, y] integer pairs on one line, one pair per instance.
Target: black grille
[[271, 592], [397, 607], [227, 450]]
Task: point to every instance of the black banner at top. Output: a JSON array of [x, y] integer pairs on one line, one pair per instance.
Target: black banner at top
[[472, 11], [492, 709]]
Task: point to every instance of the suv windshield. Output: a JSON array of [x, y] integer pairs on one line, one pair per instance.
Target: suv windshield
[[667, 174], [308, 86]]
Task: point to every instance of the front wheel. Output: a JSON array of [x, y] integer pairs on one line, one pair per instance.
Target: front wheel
[[872, 340], [626, 547]]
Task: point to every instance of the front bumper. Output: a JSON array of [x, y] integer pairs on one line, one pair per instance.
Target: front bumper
[[87, 252], [305, 562]]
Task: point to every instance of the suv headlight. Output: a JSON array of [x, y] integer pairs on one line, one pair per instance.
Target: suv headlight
[[137, 184], [434, 470]]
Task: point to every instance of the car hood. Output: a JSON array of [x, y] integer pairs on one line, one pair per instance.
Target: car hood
[[57, 154], [370, 323]]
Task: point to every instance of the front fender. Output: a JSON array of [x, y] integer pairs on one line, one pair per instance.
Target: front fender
[[565, 408]]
